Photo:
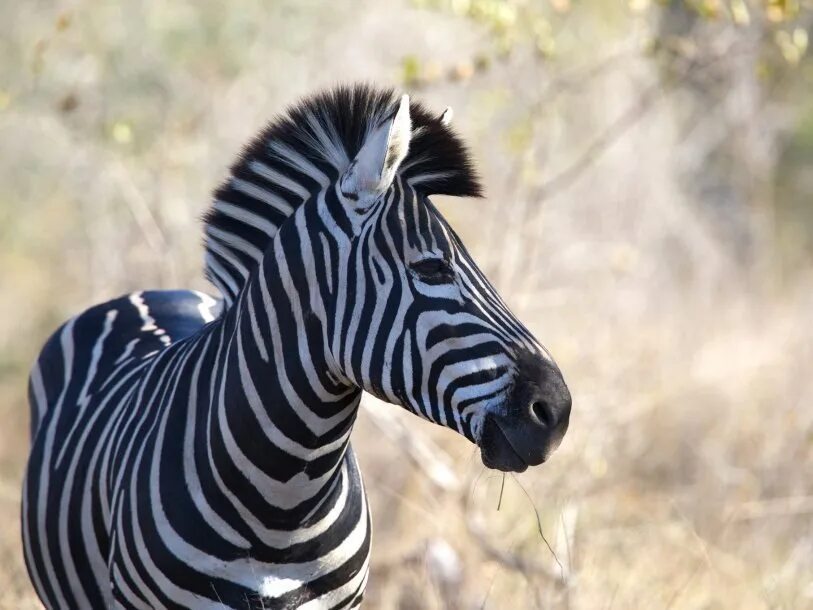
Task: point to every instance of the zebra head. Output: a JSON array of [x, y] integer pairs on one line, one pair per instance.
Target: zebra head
[[417, 322]]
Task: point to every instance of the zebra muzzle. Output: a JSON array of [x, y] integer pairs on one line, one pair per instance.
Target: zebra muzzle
[[532, 423]]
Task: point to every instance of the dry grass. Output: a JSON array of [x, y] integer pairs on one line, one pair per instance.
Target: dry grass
[[684, 481]]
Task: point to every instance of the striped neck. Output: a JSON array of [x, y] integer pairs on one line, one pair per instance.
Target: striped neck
[[288, 410]]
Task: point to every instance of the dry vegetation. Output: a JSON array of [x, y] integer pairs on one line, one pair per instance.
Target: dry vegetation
[[647, 214]]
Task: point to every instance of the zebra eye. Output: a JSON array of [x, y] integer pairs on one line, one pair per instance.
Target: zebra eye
[[433, 270]]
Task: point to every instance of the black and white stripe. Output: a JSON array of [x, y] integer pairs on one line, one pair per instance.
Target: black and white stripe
[[194, 453]]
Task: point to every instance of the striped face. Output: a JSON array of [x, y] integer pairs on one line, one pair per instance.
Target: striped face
[[425, 329], [419, 325]]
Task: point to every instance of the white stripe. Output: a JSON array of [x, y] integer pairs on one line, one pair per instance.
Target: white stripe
[[40, 397], [66, 343], [90, 374], [207, 303], [261, 194], [272, 175], [190, 468], [289, 576], [246, 216], [231, 240]]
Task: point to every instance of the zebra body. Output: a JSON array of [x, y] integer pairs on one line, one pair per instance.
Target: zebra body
[[149, 359], [190, 452]]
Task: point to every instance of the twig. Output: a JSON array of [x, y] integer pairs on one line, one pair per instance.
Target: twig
[[685, 584], [502, 489], [140, 209], [541, 533], [603, 141], [773, 507], [426, 455], [645, 102], [515, 562]]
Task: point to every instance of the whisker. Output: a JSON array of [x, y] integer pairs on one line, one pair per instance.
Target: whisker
[[502, 488], [476, 481], [539, 528], [488, 591]]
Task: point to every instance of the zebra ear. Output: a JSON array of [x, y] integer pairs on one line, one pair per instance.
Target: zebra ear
[[373, 170], [446, 117]]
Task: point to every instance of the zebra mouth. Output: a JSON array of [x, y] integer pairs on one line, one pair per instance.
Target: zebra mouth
[[496, 449]]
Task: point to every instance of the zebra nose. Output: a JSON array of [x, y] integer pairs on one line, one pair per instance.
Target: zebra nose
[[549, 405], [550, 402], [545, 414], [541, 388], [539, 407]]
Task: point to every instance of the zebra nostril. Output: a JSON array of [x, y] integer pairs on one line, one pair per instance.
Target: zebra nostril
[[542, 413]]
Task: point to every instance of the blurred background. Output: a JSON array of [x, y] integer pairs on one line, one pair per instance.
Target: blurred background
[[648, 214]]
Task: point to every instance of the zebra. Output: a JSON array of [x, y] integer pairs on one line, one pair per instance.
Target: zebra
[[193, 452]]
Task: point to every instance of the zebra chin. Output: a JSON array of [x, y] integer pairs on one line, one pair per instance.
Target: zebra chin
[[498, 451], [510, 448]]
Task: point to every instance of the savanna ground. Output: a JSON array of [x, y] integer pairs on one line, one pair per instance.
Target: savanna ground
[[648, 214]]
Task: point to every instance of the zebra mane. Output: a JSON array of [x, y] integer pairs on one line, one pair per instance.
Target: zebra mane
[[305, 149]]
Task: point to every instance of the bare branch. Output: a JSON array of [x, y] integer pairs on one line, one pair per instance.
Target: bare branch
[[632, 115], [526, 566]]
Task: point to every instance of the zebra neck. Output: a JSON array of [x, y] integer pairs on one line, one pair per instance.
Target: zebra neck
[[287, 411]]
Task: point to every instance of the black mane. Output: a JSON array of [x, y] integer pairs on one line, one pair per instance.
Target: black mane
[[350, 111], [324, 132]]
